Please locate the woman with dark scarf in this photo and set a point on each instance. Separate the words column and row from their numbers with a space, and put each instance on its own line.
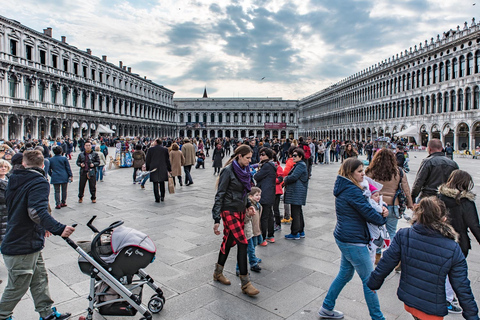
column 231, row 204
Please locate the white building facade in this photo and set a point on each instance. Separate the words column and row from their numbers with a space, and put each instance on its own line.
column 236, row 117
column 431, row 90
column 49, row 89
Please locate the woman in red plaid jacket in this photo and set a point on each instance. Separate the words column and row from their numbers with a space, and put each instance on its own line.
column 231, row 203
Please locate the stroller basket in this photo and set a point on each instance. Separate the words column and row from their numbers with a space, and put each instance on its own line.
column 114, row 260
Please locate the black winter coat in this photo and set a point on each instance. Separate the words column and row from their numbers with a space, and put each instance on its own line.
column 28, row 217
column 427, row 258
column 158, row 157
column 266, row 180
column 217, row 157
column 434, row 170
column 92, row 158
column 462, row 216
column 231, row 195
column 3, row 209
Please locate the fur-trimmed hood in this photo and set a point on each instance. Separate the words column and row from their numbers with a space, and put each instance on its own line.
column 452, row 193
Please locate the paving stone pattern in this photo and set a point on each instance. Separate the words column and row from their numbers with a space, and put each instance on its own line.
column 295, row 275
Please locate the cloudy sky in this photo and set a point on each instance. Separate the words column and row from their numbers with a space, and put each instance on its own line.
column 249, row 48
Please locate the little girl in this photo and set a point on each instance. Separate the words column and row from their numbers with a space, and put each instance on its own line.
column 428, row 252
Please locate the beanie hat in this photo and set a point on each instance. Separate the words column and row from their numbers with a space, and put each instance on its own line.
column 17, row 158
column 373, row 189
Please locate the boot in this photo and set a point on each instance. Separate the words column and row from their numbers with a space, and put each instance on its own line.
column 218, row 275
column 377, row 258
column 247, row 286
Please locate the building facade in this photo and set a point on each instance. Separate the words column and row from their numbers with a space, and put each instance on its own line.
column 237, row 117
column 429, row 91
column 49, row 89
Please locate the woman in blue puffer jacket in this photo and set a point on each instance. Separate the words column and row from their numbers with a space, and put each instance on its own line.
column 428, row 252
column 351, row 235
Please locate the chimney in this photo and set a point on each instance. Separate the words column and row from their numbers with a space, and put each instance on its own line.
column 125, row 68
column 145, row 77
column 120, row 64
column 104, row 58
column 89, row 51
column 129, row 69
column 64, row 39
column 48, row 32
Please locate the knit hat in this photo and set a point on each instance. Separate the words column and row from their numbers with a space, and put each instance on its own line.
column 373, row 189
column 17, row 158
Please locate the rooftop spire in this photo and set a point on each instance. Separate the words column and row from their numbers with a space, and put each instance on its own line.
column 205, row 95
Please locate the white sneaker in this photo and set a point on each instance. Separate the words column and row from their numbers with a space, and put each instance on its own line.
column 327, row 314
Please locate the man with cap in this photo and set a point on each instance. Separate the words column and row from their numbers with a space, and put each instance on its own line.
column 188, row 151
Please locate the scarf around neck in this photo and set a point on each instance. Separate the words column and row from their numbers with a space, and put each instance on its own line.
column 243, row 174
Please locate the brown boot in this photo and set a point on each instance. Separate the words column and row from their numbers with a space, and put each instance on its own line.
column 218, row 275
column 247, row 286
column 377, row 257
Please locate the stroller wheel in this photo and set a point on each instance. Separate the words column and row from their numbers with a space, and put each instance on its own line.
column 155, row 305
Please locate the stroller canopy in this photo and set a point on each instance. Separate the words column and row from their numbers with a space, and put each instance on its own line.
column 124, row 237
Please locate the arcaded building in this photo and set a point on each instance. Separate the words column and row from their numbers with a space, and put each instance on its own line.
column 429, row 91
column 236, row 117
column 49, row 88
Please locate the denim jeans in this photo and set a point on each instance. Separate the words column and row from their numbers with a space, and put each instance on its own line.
column 391, row 223
column 252, row 243
column 188, row 176
column 354, row 258
column 99, row 173
column 145, row 179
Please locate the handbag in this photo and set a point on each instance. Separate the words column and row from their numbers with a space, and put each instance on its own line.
column 402, row 198
column 171, row 186
column 91, row 174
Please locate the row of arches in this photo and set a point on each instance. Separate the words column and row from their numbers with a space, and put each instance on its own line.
column 221, row 133
column 235, row 117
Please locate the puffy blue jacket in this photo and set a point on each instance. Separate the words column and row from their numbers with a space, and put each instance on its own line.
column 296, row 184
column 28, row 217
column 266, row 178
column 59, row 169
column 353, row 213
column 427, row 258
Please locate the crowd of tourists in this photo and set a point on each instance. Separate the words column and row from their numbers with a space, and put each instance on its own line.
column 370, row 197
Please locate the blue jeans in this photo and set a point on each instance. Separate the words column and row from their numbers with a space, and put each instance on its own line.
column 354, row 258
column 145, row 179
column 252, row 243
column 99, row 173
column 391, row 223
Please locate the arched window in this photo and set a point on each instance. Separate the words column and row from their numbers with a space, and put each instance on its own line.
column 12, row 85
column 64, row 95
column 469, row 64
column 92, row 101
column 220, row 117
column 446, row 102
column 205, row 118
column 435, row 74
column 41, row 91
column 448, row 70
column 212, row 117
column 424, row 77
column 422, row 105
column 197, row 117
column 455, row 68
column 434, row 104
column 476, row 98
column 259, row 118
column 440, row 103
column 462, row 66
column 453, row 101
column 429, row 76
column 468, row 102
column 181, row 117
column 74, row 98
column 442, row 72
column 28, row 89
column 460, row 100
column 53, row 90
column 408, row 81
column 477, row 61
column 413, row 80
column 189, row 117
column 84, row 99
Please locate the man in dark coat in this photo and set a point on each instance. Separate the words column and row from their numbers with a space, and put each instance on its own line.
column 434, row 171
column 28, row 224
column 88, row 161
column 158, row 158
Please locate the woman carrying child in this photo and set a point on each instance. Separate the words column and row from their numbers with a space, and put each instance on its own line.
column 231, row 204
column 429, row 253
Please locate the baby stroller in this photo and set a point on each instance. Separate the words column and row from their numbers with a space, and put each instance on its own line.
column 114, row 262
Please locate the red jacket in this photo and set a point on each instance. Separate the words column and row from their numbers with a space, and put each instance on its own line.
column 279, row 184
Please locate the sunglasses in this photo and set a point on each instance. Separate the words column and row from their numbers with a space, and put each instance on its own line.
column 262, row 154
column 295, row 155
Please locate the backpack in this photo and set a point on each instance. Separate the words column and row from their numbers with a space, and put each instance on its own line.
column 105, row 152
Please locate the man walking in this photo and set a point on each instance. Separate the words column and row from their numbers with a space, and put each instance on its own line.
column 158, row 159
column 27, row 225
column 434, row 170
column 188, row 151
column 88, row 161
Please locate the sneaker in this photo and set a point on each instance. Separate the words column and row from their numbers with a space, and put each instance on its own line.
column 290, row 220
column 58, row 207
column 256, row 268
column 55, row 315
column 134, row 182
column 292, row 236
column 327, row 314
column 453, row 308
column 302, row 234
column 94, row 201
column 283, row 220
column 80, row 200
column 277, row 227
column 63, row 205
column 271, row 240
column 263, row 244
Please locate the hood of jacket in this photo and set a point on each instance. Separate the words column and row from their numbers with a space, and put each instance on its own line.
column 452, row 193
column 342, row 184
column 23, row 177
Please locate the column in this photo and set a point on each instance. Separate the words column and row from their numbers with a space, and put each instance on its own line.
column 5, row 127
column 471, row 142
column 455, row 141
column 35, row 129
column 22, row 126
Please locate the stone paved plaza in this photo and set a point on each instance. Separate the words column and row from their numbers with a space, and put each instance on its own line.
column 295, row 275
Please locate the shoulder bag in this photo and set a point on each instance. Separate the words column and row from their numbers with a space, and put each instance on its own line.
column 402, row 198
